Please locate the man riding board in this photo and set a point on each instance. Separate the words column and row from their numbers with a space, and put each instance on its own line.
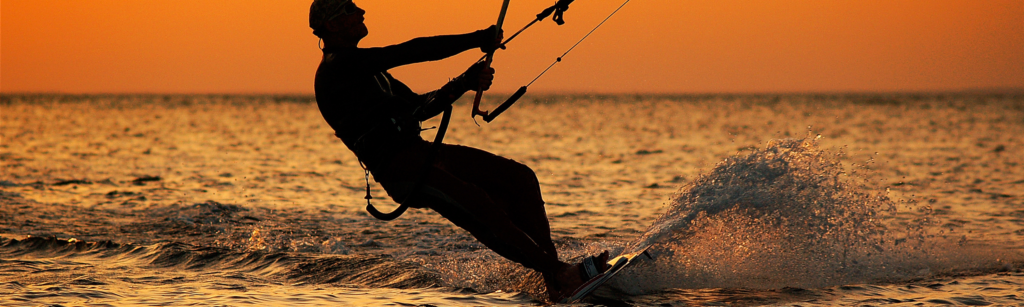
column 496, row 199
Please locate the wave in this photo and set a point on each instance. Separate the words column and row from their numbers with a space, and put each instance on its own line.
column 375, row 271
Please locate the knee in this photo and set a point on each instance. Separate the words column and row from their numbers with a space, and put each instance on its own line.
column 524, row 183
column 523, row 173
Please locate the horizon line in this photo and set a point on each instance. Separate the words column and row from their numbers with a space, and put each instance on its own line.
column 979, row 90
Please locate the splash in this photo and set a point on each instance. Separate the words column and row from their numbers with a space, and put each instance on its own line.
column 787, row 215
column 789, row 183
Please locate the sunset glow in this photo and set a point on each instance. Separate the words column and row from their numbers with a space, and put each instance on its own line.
column 661, row 46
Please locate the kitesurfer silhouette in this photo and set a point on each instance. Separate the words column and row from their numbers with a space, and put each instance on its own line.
column 496, row 199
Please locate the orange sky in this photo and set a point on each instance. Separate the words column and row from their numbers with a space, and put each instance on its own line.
column 662, row 46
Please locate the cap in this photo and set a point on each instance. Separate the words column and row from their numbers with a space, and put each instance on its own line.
column 322, row 11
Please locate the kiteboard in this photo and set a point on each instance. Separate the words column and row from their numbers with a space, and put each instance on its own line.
column 618, row 264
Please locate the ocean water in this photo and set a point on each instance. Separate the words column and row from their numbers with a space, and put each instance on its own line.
column 887, row 199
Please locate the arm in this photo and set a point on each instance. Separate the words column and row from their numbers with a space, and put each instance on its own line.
column 433, row 103
column 426, row 106
column 416, row 50
column 437, row 101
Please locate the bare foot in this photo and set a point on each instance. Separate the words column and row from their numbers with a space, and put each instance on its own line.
column 568, row 278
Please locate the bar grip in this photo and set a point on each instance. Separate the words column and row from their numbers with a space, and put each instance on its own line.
column 476, row 104
column 505, row 105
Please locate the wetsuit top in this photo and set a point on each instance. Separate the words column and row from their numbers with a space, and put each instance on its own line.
column 373, row 113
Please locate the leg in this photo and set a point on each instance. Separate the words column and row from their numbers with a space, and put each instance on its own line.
column 496, row 199
column 515, row 188
column 468, row 206
column 512, row 185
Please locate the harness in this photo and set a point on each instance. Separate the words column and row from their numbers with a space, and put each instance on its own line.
column 403, row 204
column 435, row 147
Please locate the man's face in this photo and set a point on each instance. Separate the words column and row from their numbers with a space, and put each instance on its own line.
column 351, row 25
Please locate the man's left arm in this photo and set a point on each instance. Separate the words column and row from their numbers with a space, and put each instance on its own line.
column 433, row 103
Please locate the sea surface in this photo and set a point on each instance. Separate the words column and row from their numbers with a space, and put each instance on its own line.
column 800, row 199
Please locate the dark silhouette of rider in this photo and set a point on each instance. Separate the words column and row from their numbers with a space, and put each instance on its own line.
column 496, row 199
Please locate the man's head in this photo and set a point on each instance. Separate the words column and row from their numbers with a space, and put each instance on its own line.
column 337, row 17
